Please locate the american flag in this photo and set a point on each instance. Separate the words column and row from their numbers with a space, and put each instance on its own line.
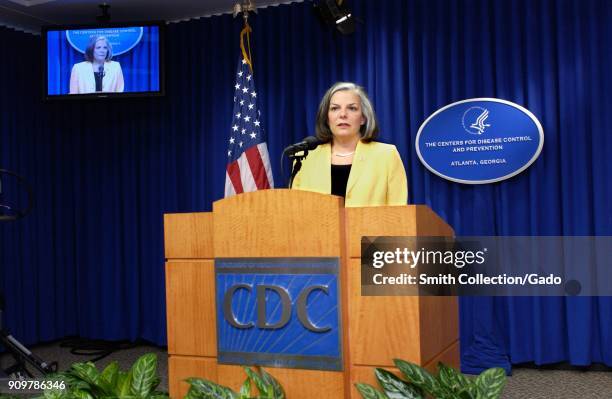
column 248, row 162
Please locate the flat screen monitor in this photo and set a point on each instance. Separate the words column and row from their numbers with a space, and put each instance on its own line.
column 119, row 60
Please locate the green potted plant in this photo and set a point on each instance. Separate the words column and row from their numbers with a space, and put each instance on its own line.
column 447, row 384
column 267, row 386
column 84, row 381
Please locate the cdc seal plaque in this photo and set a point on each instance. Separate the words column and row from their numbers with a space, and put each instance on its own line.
column 479, row 140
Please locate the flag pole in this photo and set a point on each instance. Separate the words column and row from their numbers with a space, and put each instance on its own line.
column 248, row 165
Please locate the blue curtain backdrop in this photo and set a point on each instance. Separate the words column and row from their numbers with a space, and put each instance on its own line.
column 140, row 65
column 89, row 259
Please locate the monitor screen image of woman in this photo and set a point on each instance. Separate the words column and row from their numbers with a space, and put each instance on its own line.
column 97, row 73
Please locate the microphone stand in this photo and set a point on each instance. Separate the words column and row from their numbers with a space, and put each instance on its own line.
column 296, row 161
column 301, row 148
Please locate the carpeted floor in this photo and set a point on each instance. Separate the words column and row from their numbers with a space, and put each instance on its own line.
column 525, row 383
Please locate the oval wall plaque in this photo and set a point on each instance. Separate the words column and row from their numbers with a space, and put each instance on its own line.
column 479, row 140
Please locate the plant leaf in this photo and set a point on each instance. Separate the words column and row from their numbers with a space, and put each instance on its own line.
column 88, row 373
column 265, row 389
column 491, row 383
column 418, row 376
column 156, row 381
column 193, row 394
column 46, row 395
column 277, row 390
column 367, row 391
column 395, row 388
column 245, row 389
column 205, row 389
column 124, row 385
column 74, row 382
column 469, row 392
column 144, row 373
column 109, row 374
column 450, row 378
column 78, row 394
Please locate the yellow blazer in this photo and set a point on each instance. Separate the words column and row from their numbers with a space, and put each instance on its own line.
column 377, row 176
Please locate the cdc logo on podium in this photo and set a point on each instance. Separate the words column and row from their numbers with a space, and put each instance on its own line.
column 282, row 312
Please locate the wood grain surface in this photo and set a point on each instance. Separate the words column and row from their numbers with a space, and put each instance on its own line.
column 277, row 223
column 190, row 307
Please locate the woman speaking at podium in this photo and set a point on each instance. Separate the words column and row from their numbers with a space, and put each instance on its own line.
column 350, row 163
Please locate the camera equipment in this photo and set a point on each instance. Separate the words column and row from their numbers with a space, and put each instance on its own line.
column 335, row 13
column 10, row 210
column 12, row 205
column 22, row 355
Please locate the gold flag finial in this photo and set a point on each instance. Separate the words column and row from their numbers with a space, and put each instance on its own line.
column 244, row 8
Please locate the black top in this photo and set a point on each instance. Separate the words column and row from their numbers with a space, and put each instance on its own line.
column 339, row 178
column 98, row 77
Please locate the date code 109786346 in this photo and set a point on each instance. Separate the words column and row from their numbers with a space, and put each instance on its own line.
column 15, row 386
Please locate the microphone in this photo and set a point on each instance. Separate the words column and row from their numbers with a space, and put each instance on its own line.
column 309, row 143
column 98, row 76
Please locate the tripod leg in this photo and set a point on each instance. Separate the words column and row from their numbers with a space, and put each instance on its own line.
column 23, row 355
column 18, row 370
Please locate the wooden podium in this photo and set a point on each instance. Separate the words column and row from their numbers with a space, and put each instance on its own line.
column 293, row 224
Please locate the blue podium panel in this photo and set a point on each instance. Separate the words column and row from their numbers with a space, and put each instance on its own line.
column 282, row 312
